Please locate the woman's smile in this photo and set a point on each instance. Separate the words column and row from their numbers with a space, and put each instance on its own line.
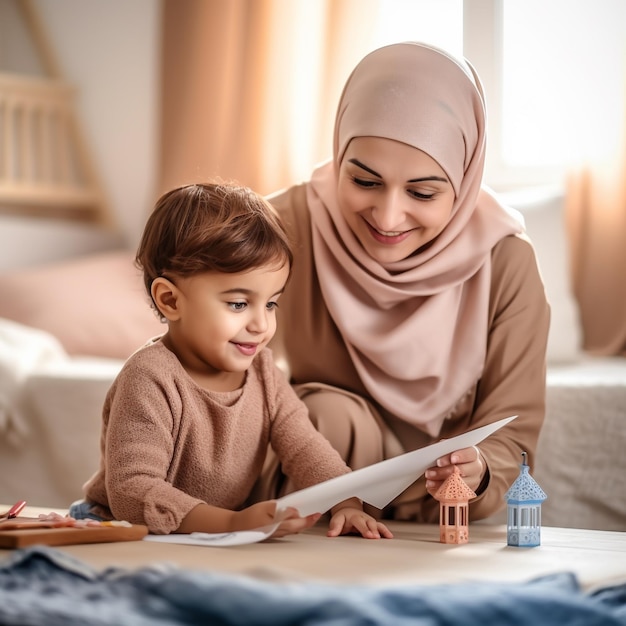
column 389, row 237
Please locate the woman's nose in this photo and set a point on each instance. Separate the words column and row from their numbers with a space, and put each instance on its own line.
column 389, row 212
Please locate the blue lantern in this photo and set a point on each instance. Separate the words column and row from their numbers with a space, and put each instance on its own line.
column 524, row 499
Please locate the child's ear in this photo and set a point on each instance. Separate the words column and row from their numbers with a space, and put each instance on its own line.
column 165, row 295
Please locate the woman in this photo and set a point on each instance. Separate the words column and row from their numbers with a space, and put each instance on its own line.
column 416, row 310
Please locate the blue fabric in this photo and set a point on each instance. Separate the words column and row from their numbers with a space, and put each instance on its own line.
column 81, row 509
column 40, row 585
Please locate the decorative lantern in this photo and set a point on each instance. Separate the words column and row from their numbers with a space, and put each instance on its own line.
column 524, row 499
column 454, row 496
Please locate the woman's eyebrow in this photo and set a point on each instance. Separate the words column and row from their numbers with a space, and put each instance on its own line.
column 413, row 180
column 425, row 178
column 364, row 167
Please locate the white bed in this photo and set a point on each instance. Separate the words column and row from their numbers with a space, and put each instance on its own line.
column 55, row 448
column 66, row 328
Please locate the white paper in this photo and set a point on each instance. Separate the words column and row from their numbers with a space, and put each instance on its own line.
column 217, row 540
column 380, row 483
column 376, row 484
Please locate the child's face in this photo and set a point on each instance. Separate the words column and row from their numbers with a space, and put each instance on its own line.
column 224, row 320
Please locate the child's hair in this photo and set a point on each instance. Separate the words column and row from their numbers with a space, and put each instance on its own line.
column 211, row 227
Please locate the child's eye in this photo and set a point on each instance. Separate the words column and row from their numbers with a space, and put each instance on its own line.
column 271, row 305
column 237, row 306
column 361, row 182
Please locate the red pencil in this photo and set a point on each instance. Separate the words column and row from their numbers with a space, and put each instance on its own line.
column 16, row 509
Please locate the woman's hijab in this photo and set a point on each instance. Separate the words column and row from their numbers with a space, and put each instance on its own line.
column 416, row 329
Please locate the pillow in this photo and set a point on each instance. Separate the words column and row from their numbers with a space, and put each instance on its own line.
column 543, row 212
column 94, row 305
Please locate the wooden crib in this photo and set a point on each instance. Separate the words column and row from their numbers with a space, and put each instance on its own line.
column 45, row 167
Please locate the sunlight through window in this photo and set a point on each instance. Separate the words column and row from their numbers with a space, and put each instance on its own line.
column 435, row 22
column 563, row 80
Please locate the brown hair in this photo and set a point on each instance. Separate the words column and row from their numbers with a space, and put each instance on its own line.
column 211, row 227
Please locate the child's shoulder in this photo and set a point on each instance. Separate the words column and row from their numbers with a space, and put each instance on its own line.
column 148, row 374
column 153, row 357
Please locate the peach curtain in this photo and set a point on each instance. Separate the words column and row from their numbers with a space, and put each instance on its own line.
column 249, row 87
column 596, row 220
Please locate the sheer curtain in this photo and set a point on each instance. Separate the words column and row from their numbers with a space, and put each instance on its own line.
column 249, row 87
column 596, row 199
column 564, row 110
column 596, row 214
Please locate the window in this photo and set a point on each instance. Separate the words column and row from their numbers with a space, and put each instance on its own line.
column 553, row 74
column 554, row 81
column 435, row 22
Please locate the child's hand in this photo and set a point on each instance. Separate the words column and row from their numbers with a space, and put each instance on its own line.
column 471, row 466
column 349, row 517
column 263, row 514
column 292, row 523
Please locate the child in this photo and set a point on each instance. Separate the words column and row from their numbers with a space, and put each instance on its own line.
column 188, row 421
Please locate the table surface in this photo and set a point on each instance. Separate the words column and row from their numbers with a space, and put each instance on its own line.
column 415, row 556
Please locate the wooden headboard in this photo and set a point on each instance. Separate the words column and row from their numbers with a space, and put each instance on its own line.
column 45, row 167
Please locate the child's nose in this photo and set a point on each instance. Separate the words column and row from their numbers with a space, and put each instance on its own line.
column 259, row 322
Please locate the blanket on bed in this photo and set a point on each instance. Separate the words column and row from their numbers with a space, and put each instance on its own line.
column 22, row 351
column 40, row 585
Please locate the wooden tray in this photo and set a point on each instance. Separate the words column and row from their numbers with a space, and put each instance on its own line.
column 65, row 536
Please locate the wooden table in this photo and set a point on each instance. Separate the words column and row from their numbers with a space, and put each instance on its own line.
column 415, row 555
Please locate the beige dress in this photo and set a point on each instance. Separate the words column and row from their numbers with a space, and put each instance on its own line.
column 512, row 383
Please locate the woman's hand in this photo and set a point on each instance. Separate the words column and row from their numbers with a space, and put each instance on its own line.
column 349, row 517
column 471, row 466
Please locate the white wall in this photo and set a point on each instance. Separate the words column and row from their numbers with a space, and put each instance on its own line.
column 32, row 241
column 109, row 50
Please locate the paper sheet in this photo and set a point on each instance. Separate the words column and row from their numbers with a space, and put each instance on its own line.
column 380, row 483
column 217, row 540
column 376, row 484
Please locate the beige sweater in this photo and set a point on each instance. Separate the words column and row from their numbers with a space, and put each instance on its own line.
column 512, row 383
column 167, row 444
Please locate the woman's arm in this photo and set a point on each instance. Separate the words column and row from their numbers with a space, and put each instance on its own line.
column 514, row 379
column 512, row 383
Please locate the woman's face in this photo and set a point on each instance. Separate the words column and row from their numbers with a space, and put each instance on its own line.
column 395, row 198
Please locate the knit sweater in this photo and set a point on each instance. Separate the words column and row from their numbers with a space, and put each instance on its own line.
column 167, row 444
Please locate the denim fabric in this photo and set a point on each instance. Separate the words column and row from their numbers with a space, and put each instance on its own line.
column 40, row 585
column 81, row 509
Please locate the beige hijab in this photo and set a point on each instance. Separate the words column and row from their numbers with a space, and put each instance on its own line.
column 416, row 329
